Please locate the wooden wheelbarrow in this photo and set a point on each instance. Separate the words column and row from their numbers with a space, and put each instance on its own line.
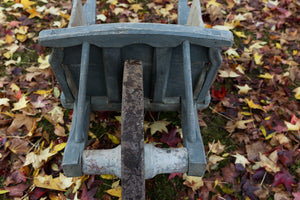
column 167, row 68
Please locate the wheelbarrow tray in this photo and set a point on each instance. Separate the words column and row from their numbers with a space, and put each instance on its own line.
column 158, row 46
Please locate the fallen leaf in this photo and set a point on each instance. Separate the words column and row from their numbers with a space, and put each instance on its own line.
column 216, row 148
column 18, row 146
column 60, row 183
column 113, row 138
column 116, row 192
column 297, row 93
column 59, row 130
column 136, row 7
column 214, row 159
column 27, row 4
column 243, row 89
column 284, row 178
column 170, row 138
column 159, row 126
column 257, row 59
column 266, row 76
column 253, row 105
column 4, row 101
column 293, row 127
column 34, row 13
column 241, row 159
column 22, row 103
column 193, row 182
column 228, row 74
column 268, row 163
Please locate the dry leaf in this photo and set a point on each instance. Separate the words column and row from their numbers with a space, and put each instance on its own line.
column 193, row 182
column 216, row 148
column 241, row 159
column 22, row 103
column 267, row 163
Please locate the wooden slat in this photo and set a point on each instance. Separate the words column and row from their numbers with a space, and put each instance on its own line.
column 70, row 80
column 112, row 63
column 82, row 92
column 133, row 175
column 77, row 15
column 195, row 17
column 216, row 61
column 122, row 34
column 162, row 66
column 55, row 60
column 183, row 10
column 89, row 9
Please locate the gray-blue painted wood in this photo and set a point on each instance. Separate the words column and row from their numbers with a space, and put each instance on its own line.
column 183, row 12
column 123, row 34
column 179, row 66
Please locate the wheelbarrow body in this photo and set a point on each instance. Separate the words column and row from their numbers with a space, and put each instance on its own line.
column 179, row 64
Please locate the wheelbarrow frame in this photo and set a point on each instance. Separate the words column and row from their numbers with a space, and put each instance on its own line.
column 192, row 51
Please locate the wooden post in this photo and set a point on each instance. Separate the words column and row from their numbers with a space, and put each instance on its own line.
column 132, row 150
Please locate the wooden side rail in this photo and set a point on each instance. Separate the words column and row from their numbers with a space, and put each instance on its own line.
column 122, row 34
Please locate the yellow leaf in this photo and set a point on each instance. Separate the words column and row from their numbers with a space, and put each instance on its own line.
column 136, row 7
column 241, row 159
column 60, row 183
column 113, row 138
column 278, row 46
column 212, row 3
column 66, row 16
column 266, row 76
column 34, row 13
column 3, row 191
column 253, row 105
column 159, row 126
column 297, row 91
column 44, row 62
column 115, row 184
column 119, row 119
column 293, row 127
column 43, row 92
column 7, row 55
column 246, row 113
column 108, row 176
column 58, row 147
column 9, row 39
column 21, row 38
column 243, row 89
column 116, row 192
column 295, row 52
column 228, row 74
column 257, row 59
column 193, row 182
column 240, row 34
column 27, row 3
column 22, row 103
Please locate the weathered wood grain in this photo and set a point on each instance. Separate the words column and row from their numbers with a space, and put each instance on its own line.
column 132, row 150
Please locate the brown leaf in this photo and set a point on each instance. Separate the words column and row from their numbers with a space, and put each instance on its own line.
column 18, row 146
column 254, row 148
column 22, row 120
column 17, row 190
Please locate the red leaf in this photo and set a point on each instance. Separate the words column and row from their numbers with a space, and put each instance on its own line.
column 286, row 157
column 37, row 193
column 17, row 190
column 88, row 195
column 284, row 178
column 219, row 94
column 173, row 175
column 170, row 138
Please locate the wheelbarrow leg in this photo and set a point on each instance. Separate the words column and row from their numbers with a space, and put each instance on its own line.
column 192, row 139
column 132, row 150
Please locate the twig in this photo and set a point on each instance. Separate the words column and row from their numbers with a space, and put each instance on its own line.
column 221, row 114
column 262, row 181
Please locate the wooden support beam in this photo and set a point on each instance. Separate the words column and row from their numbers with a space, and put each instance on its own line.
column 112, row 70
column 162, row 65
column 133, row 169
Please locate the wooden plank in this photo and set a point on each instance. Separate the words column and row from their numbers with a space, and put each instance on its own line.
column 70, row 80
column 89, row 9
column 79, row 137
column 162, row 66
column 122, row 34
column 133, row 174
column 192, row 139
column 183, row 10
column 55, row 60
column 216, row 61
column 112, row 70
column 195, row 16
column 77, row 15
